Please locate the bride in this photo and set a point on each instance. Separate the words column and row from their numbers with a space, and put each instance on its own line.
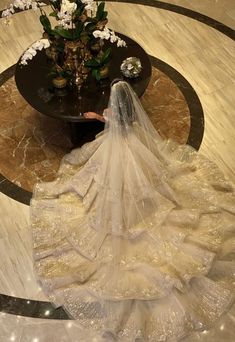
column 135, row 237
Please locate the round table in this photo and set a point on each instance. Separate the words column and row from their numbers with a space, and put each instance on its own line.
column 36, row 87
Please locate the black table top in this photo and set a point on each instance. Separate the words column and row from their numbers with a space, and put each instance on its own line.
column 35, row 86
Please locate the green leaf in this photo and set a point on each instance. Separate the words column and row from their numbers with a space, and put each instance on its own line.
column 78, row 30
column 92, row 63
column 66, row 74
column 92, row 20
column 55, row 3
column 104, row 16
column 98, row 76
column 60, row 48
column 90, row 27
column 106, row 56
column 96, row 73
column 53, row 14
column 63, row 33
column 45, row 23
column 53, row 74
column 100, row 10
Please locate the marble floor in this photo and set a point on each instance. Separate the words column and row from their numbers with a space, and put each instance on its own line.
column 200, row 52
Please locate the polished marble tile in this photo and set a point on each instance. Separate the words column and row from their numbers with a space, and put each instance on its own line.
column 4, row 4
column 221, row 10
column 16, row 266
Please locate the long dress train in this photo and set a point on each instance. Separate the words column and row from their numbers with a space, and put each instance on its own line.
column 136, row 236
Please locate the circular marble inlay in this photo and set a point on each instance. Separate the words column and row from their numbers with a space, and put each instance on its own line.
column 33, row 144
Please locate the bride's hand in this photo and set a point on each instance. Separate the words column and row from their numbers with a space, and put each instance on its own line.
column 90, row 115
column 93, row 115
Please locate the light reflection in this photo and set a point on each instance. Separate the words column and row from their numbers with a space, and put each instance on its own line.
column 205, row 332
column 13, row 337
column 222, row 327
column 69, row 324
column 36, row 339
column 47, row 313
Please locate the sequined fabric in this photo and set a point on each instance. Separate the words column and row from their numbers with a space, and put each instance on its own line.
column 135, row 237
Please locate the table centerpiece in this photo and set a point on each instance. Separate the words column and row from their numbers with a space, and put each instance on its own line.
column 74, row 33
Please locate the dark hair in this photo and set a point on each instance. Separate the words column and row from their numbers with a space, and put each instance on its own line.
column 115, row 80
column 128, row 104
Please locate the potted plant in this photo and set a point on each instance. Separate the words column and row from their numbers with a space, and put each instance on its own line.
column 75, row 42
column 99, row 64
column 59, row 76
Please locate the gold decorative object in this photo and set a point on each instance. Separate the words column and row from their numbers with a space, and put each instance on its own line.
column 104, row 72
column 131, row 67
column 59, row 82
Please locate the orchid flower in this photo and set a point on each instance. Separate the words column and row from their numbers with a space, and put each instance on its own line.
column 109, row 35
column 32, row 50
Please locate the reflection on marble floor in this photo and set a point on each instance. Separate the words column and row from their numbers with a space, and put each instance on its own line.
column 33, row 144
column 21, row 329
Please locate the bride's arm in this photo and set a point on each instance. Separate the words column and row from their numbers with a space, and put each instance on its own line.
column 93, row 115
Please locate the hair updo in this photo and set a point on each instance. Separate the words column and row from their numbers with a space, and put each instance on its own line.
column 124, row 101
column 116, row 80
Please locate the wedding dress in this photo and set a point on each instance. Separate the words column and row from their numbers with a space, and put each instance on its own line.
column 135, row 237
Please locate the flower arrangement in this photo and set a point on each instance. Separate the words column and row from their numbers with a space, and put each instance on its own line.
column 75, row 44
column 131, row 67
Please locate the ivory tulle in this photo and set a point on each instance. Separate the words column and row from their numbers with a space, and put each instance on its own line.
column 170, row 271
column 136, row 236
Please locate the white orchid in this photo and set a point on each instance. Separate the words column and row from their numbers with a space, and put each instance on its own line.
column 32, row 50
column 66, row 13
column 105, row 34
column 8, row 12
column 34, row 6
column 65, row 20
column 22, row 5
column 109, row 35
column 90, row 4
column 121, row 43
column 113, row 37
column 68, row 7
column 38, row 45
